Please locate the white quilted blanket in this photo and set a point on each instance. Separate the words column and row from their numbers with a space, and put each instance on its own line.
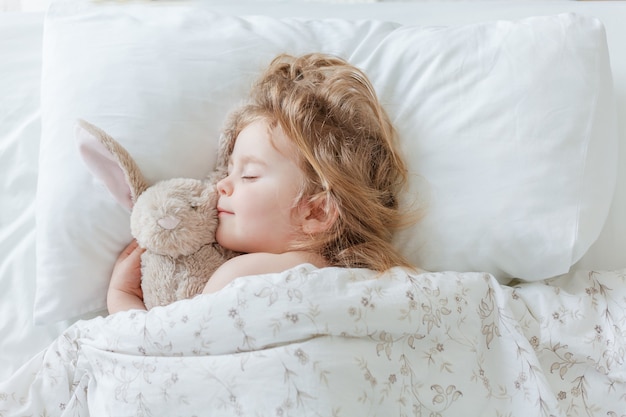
column 344, row 342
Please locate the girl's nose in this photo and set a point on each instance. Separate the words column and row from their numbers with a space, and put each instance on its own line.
column 224, row 187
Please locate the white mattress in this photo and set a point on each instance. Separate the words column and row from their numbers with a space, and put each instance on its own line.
column 20, row 49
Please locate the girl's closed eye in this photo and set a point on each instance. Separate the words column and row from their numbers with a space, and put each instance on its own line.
column 250, row 173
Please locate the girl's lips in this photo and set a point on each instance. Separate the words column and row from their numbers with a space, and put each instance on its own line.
column 221, row 211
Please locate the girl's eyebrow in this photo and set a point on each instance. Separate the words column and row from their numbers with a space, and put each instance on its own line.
column 248, row 159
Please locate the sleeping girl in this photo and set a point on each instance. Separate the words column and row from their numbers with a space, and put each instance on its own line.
column 313, row 174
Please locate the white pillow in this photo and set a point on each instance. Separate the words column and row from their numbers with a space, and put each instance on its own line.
column 506, row 127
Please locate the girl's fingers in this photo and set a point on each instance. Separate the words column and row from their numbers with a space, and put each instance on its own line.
column 137, row 251
column 128, row 250
column 131, row 246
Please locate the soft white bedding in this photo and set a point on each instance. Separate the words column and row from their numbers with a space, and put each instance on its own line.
column 341, row 342
column 20, row 126
column 536, row 349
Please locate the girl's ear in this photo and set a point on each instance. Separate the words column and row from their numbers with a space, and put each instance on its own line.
column 318, row 215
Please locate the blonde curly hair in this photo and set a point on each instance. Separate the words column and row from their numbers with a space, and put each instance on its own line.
column 347, row 149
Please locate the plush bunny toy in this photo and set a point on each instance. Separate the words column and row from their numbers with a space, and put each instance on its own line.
column 174, row 220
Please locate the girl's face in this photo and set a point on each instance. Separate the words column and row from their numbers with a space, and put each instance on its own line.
column 257, row 198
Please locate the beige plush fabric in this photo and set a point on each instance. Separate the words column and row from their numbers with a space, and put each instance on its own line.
column 174, row 220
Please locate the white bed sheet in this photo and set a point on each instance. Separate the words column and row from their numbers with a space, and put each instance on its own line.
column 20, row 125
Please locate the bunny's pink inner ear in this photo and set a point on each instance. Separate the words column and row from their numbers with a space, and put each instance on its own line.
column 104, row 166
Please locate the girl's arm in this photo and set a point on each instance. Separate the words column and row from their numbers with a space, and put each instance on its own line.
column 125, row 287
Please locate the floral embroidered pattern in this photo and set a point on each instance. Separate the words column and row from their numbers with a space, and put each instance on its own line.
column 346, row 342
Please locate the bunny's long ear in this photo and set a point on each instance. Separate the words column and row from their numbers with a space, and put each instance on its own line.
column 108, row 161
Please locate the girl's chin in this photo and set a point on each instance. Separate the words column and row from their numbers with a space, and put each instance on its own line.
column 230, row 245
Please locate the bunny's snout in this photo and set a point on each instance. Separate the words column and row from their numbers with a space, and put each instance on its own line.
column 168, row 222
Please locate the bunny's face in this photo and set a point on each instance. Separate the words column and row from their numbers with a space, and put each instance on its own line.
column 175, row 217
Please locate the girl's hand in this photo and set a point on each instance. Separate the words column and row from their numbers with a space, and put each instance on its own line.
column 125, row 286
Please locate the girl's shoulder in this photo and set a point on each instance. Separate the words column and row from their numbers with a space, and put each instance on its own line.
column 259, row 263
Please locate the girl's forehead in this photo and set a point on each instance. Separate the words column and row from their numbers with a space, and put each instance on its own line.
column 262, row 137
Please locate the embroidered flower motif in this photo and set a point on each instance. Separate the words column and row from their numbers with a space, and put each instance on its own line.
column 240, row 324
column 292, row 317
column 303, row 358
column 534, row 342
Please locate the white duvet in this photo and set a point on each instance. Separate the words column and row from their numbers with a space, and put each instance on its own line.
column 344, row 342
